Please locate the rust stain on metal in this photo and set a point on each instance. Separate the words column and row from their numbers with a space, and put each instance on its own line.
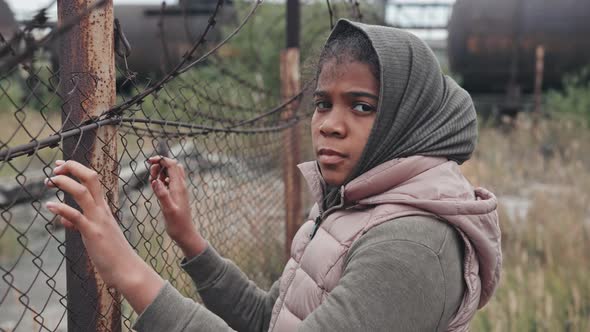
column 290, row 85
column 88, row 77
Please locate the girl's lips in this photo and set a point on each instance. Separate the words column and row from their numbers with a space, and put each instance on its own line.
column 330, row 157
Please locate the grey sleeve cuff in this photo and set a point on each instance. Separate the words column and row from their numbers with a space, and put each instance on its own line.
column 206, row 268
column 227, row 291
column 160, row 315
column 170, row 311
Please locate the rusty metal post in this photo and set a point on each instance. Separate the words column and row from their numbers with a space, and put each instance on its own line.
column 539, row 69
column 290, row 85
column 87, row 74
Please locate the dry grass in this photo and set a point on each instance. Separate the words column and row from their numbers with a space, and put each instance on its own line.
column 546, row 247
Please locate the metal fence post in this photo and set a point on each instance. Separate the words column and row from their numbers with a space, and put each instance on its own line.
column 539, row 69
column 290, row 85
column 87, row 75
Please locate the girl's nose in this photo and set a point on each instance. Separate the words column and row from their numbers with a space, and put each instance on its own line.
column 333, row 125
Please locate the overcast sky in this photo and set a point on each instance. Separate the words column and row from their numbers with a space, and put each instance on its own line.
column 25, row 9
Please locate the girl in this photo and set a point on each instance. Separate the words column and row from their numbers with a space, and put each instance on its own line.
column 398, row 240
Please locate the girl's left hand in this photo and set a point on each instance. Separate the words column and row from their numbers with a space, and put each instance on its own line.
column 114, row 259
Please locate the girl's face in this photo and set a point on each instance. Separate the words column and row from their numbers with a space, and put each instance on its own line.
column 345, row 108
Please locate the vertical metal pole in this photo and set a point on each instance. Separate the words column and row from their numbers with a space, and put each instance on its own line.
column 290, row 85
column 381, row 9
column 87, row 74
column 539, row 69
column 293, row 25
column 514, row 85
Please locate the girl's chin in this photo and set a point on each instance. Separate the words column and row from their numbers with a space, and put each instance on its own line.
column 333, row 177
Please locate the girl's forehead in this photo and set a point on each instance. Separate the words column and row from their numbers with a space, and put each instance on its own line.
column 334, row 67
column 346, row 74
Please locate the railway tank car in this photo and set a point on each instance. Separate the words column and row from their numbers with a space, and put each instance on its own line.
column 8, row 25
column 491, row 44
column 7, row 21
column 180, row 25
column 158, row 36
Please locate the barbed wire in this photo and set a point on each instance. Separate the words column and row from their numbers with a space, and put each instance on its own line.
column 50, row 37
column 220, row 116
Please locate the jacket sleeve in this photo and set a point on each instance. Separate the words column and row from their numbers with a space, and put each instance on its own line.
column 232, row 301
column 170, row 311
column 389, row 283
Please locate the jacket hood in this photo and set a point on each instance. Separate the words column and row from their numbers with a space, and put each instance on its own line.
column 420, row 111
column 437, row 186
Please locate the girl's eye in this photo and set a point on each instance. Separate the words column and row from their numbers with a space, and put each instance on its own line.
column 363, row 108
column 322, row 105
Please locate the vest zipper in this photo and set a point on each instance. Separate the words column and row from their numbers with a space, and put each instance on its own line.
column 323, row 214
column 316, row 225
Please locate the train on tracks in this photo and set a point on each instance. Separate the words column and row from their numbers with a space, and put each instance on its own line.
column 496, row 47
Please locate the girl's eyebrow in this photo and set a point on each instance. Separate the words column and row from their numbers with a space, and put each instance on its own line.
column 321, row 93
column 361, row 94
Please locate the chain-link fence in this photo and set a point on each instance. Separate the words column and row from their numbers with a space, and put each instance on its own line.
column 212, row 101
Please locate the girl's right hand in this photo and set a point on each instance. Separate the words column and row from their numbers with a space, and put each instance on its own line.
column 167, row 179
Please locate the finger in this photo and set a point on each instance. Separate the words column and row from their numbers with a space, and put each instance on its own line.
column 163, row 161
column 67, row 224
column 175, row 172
column 86, row 176
column 178, row 185
column 163, row 175
column 162, row 193
column 155, row 159
column 154, row 170
column 176, row 178
column 73, row 217
column 79, row 192
column 158, row 172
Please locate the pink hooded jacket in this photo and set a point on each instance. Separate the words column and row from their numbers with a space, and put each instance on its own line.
column 408, row 186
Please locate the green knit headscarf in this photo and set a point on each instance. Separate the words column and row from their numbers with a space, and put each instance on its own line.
column 421, row 111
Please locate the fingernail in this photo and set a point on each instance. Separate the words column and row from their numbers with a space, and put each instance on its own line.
column 51, row 206
column 59, row 162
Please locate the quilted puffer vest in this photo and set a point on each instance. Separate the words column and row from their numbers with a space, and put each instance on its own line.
column 402, row 187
